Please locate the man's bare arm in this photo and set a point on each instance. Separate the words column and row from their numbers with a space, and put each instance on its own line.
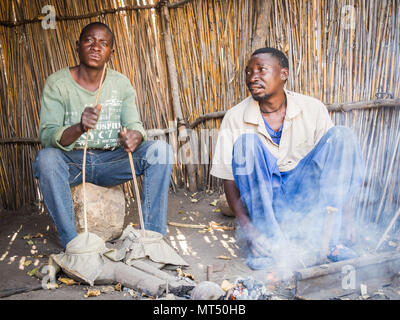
column 71, row 134
column 130, row 139
column 260, row 243
column 236, row 205
column 88, row 121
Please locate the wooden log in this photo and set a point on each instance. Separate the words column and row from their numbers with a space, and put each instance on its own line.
column 119, row 272
column 185, row 225
column 95, row 14
column 174, row 284
column 378, row 103
column 154, row 271
column 205, row 117
column 344, row 277
column 19, row 141
column 173, row 80
column 209, row 271
column 335, row 107
column 262, row 25
column 178, row 3
column 172, row 73
column 325, row 269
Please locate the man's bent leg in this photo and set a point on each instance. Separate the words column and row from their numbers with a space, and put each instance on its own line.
column 154, row 160
column 340, row 160
column 256, row 174
column 157, row 176
column 328, row 176
column 54, row 174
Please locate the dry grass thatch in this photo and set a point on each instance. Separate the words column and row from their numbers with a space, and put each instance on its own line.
column 339, row 51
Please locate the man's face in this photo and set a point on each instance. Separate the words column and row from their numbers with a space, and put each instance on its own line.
column 265, row 76
column 95, row 47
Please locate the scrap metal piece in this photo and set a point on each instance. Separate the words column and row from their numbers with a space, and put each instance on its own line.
column 210, row 268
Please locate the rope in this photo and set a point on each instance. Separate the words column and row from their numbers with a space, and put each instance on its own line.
column 85, row 151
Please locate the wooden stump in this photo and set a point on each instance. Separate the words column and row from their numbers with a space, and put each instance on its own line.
column 105, row 209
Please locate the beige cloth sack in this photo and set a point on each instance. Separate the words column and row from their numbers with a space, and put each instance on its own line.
column 83, row 258
column 85, row 255
column 132, row 245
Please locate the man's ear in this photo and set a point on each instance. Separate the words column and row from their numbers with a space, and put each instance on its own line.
column 111, row 54
column 77, row 45
column 284, row 74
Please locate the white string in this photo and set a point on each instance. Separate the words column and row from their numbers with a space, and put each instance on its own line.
column 84, row 155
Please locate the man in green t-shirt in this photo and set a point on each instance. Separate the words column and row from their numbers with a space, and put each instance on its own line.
column 67, row 115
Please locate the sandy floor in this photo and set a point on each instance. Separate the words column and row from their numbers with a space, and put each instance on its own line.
column 199, row 247
column 20, row 253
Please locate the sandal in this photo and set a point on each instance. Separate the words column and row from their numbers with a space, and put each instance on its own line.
column 260, row 262
column 340, row 252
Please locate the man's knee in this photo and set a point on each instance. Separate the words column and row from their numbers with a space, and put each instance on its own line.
column 46, row 159
column 342, row 134
column 346, row 149
column 160, row 152
column 244, row 155
column 246, row 143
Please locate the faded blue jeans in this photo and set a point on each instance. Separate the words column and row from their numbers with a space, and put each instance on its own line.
column 327, row 176
column 58, row 170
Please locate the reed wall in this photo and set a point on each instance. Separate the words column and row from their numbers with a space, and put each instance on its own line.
column 339, row 51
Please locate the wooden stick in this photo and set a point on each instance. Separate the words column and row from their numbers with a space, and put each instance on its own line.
column 172, row 72
column 173, row 80
column 103, row 12
column 201, row 226
column 391, row 224
column 262, row 25
column 20, row 140
column 335, row 107
column 184, row 225
column 85, row 151
column 328, row 229
column 209, row 272
column 337, row 267
column 139, row 203
column 344, row 107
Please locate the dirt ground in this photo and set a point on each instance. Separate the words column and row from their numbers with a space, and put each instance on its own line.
column 28, row 237
column 20, row 254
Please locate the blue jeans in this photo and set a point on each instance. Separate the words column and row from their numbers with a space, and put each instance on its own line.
column 327, row 176
column 58, row 170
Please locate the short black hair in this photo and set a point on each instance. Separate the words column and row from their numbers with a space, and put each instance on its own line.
column 283, row 60
column 98, row 24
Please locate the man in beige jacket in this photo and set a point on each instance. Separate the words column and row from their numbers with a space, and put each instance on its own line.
column 283, row 161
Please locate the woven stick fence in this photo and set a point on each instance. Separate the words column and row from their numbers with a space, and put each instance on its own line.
column 342, row 52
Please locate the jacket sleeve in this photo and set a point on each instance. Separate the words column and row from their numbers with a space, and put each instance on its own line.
column 324, row 123
column 222, row 158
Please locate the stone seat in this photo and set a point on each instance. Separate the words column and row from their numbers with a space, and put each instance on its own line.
column 105, row 209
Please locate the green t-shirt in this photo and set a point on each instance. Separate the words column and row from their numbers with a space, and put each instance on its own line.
column 64, row 100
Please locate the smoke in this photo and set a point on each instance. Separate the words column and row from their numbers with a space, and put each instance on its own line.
column 302, row 244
